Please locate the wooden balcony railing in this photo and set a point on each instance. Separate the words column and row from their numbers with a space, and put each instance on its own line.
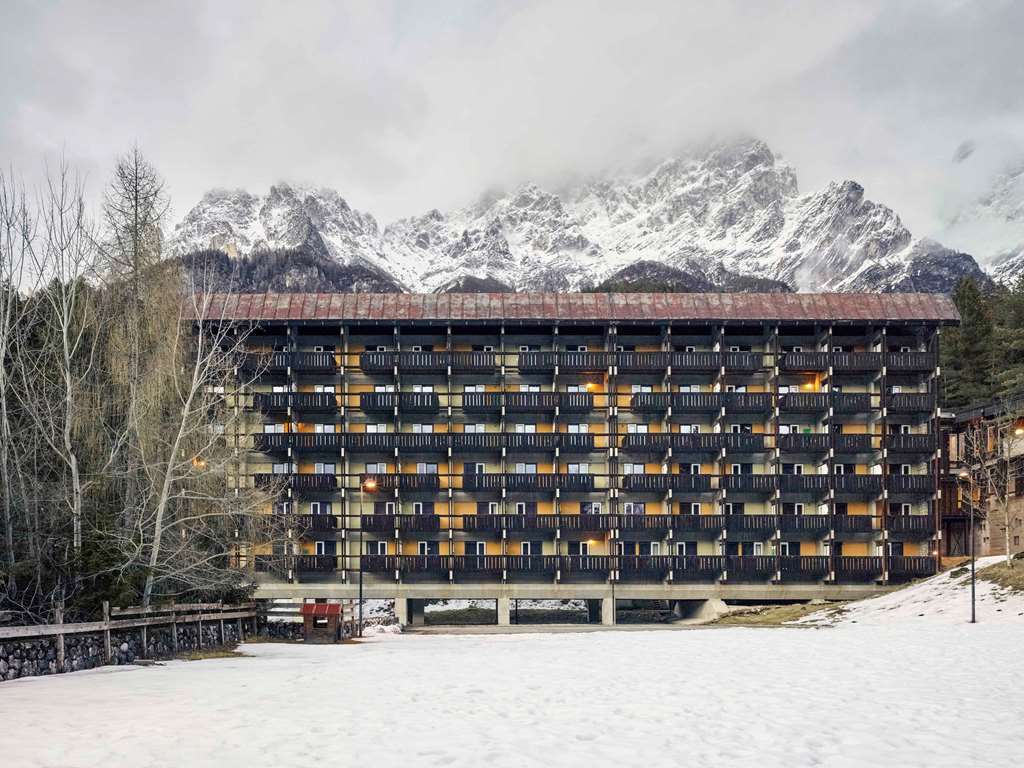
column 698, row 566
column 531, row 402
column 655, row 565
column 696, row 402
column 747, row 402
column 804, row 567
column 750, row 524
column 856, row 362
column 805, row 443
column 695, row 361
column 315, row 362
column 314, row 442
column 743, row 361
column 911, row 485
column 858, row 485
column 910, row 362
column 272, row 443
column 860, row 567
column 650, row 402
column 711, row 525
column 664, row 482
column 317, row 523
column 910, row 403
column 749, row 483
column 916, row 526
column 575, row 402
column 847, row 524
column 474, row 362
column 315, row 563
column 481, row 402
column 541, row 442
column 749, row 566
column 804, row 402
column 477, row 442
column 853, row 443
column 921, row 444
column 804, row 361
column 851, row 402
column 426, row 483
column 297, row 482
column 642, row 362
column 815, row 525
column 916, row 567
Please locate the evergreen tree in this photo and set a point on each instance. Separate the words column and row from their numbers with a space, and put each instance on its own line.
column 967, row 351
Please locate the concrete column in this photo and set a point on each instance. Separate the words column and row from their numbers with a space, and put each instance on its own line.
column 504, row 617
column 608, row 611
column 402, row 611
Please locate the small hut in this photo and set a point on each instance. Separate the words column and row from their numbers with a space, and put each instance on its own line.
column 321, row 622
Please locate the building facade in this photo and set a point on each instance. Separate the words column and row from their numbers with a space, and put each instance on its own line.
column 596, row 446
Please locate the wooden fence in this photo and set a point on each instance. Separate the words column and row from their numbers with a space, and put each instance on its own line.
column 155, row 616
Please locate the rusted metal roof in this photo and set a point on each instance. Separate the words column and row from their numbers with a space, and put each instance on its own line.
column 576, row 307
column 320, row 609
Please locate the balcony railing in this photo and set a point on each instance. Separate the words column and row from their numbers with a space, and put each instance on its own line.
column 851, row 402
column 856, row 362
column 910, row 362
column 541, row 442
column 854, row 524
column 695, row 361
column 650, row 402
column 804, row 567
column 655, row 565
column 642, row 362
column 853, row 443
column 917, row 526
column 660, row 483
column 318, row 523
column 570, row 564
column 477, row 563
column 390, row 481
column 477, row 442
column 317, row 442
column 474, row 362
column 316, row 563
column 749, row 566
column 698, row 566
column 858, row 485
column 858, row 567
column 265, row 362
column 804, row 361
column 749, row 483
column 496, row 481
column 531, row 402
column 575, row 402
column 315, row 362
column 696, row 402
column 804, row 402
column 911, row 484
column 272, row 443
column 371, row 442
column 413, row 442
column 297, row 482
column 805, row 443
column 807, row 484
column 910, row 403
column 577, row 362
column 649, row 443
column 747, row 402
column 815, row 525
column 916, row 567
column 698, row 524
column 750, row 524
column 575, row 443
column 412, row 402
column 743, row 361
column 910, row 443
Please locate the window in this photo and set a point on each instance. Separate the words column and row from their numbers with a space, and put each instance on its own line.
column 906, row 349
column 529, row 387
column 376, row 429
column 524, row 468
column 686, row 548
column 474, row 468
column 689, row 429
column 526, row 429
column 492, row 507
column 423, row 468
column 638, row 388
column 895, row 389
column 784, row 548
column 422, row 429
column 422, row 387
column 376, row 547
column 689, row 348
column 376, row 468
column 323, row 468
column 578, row 429
column 636, row 429
column 741, row 429
column 474, row 428
column 476, row 548
column 473, row 388
column 281, row 468
column 314, row 507
column 735, row 469
column 734, row 508
column 625, row 347
column 423, row 507
column 324, row 388
column 630, row 468
column 689, row 388
column 634, row 507
column 324, row 429
column 579, row 548
column 590, row 507
column 273, row 429
column 319, row 547
column 904, row 429
column 735, row 387
column 483, row 347
column 789, row 508
column 520, row 507
column 529, row 347
column 792, row 469
column 694, row 507
column 576, row 348
column 529, row 547
column 758, row 547
column 695, row 469
column 428, row 548
column 576, row 388
column 377, row 348
column 582, row 468
column 383, row 387
column 283, row 507
column 279, row 388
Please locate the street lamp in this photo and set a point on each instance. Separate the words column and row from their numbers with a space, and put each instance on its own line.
column 367, row 485
column 965, row 476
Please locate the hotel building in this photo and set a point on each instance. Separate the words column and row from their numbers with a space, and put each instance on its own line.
column 605, row 447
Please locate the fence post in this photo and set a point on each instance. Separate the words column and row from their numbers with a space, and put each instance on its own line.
column 174, row 627
column 60, row 640
column 239, row 620
column 144, row 638
column 106, row 631
column 223, row 640
column 199, row 634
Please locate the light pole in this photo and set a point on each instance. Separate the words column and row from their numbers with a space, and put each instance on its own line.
column 965, row 476
column 366, row 484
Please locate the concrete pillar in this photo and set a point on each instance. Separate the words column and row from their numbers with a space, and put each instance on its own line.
column 593, row 611
column 402, row 611
column 504, row 617
column 608, row 611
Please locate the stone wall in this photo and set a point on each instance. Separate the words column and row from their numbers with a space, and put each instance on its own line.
column 38, row 656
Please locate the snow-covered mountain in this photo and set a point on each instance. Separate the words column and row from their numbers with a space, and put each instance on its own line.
column 995, row 221
column 713, row 217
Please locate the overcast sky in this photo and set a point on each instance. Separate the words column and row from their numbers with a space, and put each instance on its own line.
column 404, row 106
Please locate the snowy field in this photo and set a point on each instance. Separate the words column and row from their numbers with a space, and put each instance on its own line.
column 908, row 694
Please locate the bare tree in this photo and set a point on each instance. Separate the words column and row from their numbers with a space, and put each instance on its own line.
column 993, row 448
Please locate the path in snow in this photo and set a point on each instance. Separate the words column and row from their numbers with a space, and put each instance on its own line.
column 908, row 694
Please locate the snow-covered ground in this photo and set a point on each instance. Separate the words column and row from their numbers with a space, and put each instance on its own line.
column 910, row 694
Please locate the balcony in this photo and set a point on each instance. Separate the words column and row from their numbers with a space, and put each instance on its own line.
column 422, row 563
column 316, row 563
column 815, row 485
column 747, row 402
column 575, row 402
column 710, row 526
column 903, row 567
column 265, row 362
column 696, row 402
column 665, row 482
column 910, row 403
column 649, row 443
column 910, row 362
column 693, row 362
column 532, row 402
column 269, row 402
column 854, row 524
column 698, row 566
column 749, row 567
column 409, row 402
column 749, row 483
column 642, row 362
column 804, row 567
column 297, row 482
column 378, row 563
column 856, row 362
column 804, row 402
column 539, row 564
column 277, row 443
column 575, row 443
column 567, row 362
column 540, row 523
column 858, row 485
column 539, row 442
column 378, row 401
column 804, row 361
column 406, row 362
column 911, row 485
column 570, row 564
column 650, row 402
column 743, row 361
column 371, row 442
column 810, row 525
column 851, row 402
column 853, row 443
column 477, row 442
column 483, row 523
column 645, row 565
column 272, row 402
column 474, row 362
column 378, row 523
column 390, row 481
column 914, row 444
column 317, row 442
column 641, row 522
column 910, row 526
column 760, row 526
column 496, row 481
column 378, row 362
column 315, row 362
column 316, row 523
column 481, row 402
column 805, row 443
column 858, row 568
column 412, row 442
column 490, row 564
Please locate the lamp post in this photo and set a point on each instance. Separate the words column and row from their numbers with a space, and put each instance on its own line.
column 367, row 484
column 966, row 477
